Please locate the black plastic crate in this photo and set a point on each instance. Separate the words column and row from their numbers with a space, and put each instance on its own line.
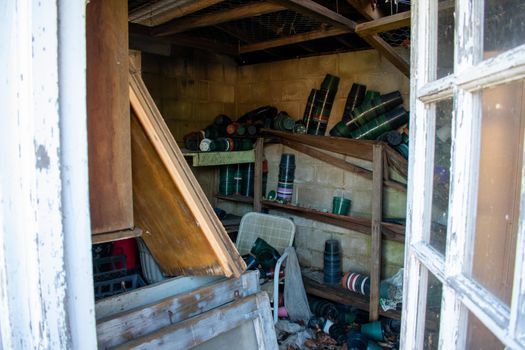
column 117, row 285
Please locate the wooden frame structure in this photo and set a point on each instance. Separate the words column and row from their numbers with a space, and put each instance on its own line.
column 164, row 21
column 180, row 228
column 461, row 293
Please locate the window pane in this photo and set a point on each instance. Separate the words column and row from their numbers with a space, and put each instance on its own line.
column 499, row 188
column 433, row 312
column 441, row 179
column 504, row 26
column 445, row 42
column 479, row 337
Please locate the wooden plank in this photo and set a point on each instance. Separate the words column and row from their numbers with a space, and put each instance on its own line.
column 384, row 24
column 151, row 294
column 109, row 152
column 390, row 54
column 361, row 149
column 337, row 162
column 156, row 13
column 197, row 330
column 258, row 174
column 293, row 39
column 116, row 236
column 240, row 12
column 180, row 227
column 203, row 44
column 312, row 9
column 367, row 8
column 235, row 198
column 391, row 232
column 220, row 158
column 139, row 322
column 377, row 213
column 396, row 161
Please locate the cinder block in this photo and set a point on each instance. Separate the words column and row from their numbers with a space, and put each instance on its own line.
column 358, row 62
column 294, row 108
column 310, row 258
column 230, row 74
column 352, row 180
column 355, row 243
column 215, row 72
column 229, row 110
column 202, row 90
column 284, row 70
column 178, row 67
column 207, row 111
column 243, row 108
column 361, row 203
column 329, row 175
column 297, row 90
column 243, row 93
column 177, row 110
column 220, row 92
column 365, row 164
column 304, row 174
column 253, row 73
column 393, row 252
column 265, row 93
column 318, row 66
column 394, row 203
column 313, row 196
column 272, row 153
column 357, row 263
column 389, row 270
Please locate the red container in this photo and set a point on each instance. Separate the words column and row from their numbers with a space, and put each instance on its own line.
column 127, row 247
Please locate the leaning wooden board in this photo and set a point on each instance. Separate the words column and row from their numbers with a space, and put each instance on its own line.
column 180, row 227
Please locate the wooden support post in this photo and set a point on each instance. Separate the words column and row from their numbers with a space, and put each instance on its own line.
column 257, row 178
column 377, row 211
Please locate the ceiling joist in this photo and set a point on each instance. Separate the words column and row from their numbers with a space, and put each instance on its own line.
column 367, row 8
column 384, row 24
column 388, row 51
column 293, row 39
column 312, row 9
column 244, row 11
column 154, row 14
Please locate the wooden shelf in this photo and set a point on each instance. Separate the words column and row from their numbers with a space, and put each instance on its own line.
column 314, row 285
column 393, row 232
column 115, row 236
column 235, row 198
column 219, row 158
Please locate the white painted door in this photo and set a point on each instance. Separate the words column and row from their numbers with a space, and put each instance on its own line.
column 465, row 243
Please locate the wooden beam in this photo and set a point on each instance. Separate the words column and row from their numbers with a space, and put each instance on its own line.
column 258, row 175
column 138, row 322
column 384, row 24
column 240, row 12
column 116, row 236
column 312, row 9
column 156, row 13
column 377, row 213
column 293, row 39
column 390, row 54
column 366, row 8
column 203, row 44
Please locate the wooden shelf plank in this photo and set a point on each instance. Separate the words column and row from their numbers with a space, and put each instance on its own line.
column 235, row 198
column 313, row 283
column 392, row 232
column 115, row 236
column 220, row 158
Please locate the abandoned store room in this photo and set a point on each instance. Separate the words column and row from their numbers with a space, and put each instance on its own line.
column 288, row 174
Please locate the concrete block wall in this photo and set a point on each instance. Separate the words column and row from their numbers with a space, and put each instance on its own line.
column 316, row 182
column 287, row 84
column 190, row 89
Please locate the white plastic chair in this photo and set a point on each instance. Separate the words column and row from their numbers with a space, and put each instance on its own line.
column 277, row 231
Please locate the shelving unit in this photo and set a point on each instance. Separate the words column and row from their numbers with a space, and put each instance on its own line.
column 383, row 158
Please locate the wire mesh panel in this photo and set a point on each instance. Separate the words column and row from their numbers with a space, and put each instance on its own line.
column 277, row 231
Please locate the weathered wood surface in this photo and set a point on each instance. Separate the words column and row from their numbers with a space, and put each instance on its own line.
column 180, row 227
column 375, row 250
column 151, row 294
column 293, row 39
column 162, row 11
column 392, row 232
column 109, row 151
column 116, row 236
column 258, row 175
column 233, row 14
column 139, row 322
column 384, row 24
column 199, row 329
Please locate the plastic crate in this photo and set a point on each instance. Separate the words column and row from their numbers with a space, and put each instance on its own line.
column 110, row 267
column 117, row 285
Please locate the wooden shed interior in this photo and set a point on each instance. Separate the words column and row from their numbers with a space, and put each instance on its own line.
column 159, row 70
